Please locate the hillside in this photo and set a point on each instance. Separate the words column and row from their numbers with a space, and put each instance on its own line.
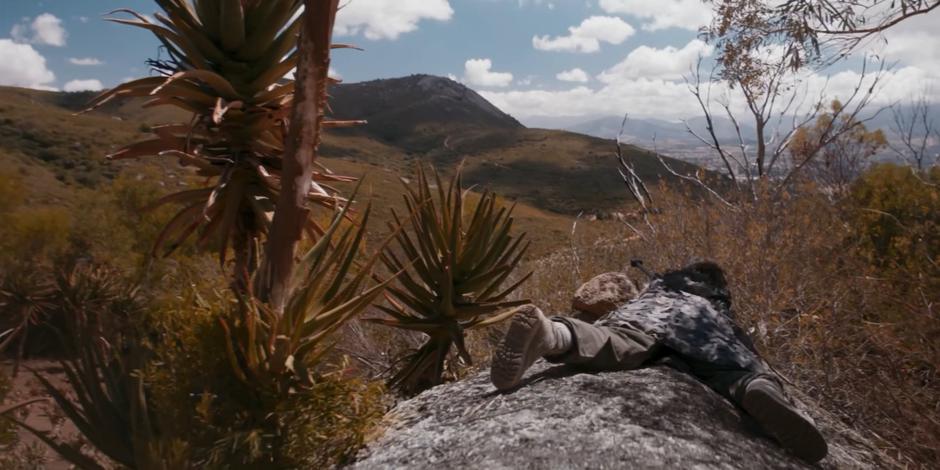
column 412, row 112
column 440, row 120
column 554, row 174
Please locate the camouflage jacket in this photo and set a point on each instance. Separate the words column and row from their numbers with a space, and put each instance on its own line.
column 689, row 324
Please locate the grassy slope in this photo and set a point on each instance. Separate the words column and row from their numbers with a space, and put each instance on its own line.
column 58, row 153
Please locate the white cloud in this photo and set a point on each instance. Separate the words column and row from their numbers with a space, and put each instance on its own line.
column 46, row 29
column 477, row 72
column 85, row 61
column 896, row 85
column 663, row 14
column 83, row 85
column 670, row 99
column 915, row 42
column 587, row 36
column 641, row 98
column 23, row 66
column 573, row 75
column 668, row 63
column 388, row 19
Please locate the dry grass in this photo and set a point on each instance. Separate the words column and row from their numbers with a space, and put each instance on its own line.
column 861, row 339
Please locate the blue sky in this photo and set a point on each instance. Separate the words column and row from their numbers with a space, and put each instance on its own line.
column 533, row 58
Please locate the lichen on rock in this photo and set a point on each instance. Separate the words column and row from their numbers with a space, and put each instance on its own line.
column 560, row 418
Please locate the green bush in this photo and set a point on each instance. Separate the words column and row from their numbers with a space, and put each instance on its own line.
column 226, row 421
column 329, row 423
column 897, row 216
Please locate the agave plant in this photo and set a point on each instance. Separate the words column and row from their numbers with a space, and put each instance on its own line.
column 274, row 349
column 106, row 398
column 26, row 302
column 454, row 262
column 226, row 65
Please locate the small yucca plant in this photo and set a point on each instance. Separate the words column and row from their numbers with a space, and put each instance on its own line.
column 26, row 302
column 106, row 397
column 454, row 261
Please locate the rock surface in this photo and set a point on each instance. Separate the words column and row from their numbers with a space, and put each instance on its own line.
column 603, row 294
column 563, row 419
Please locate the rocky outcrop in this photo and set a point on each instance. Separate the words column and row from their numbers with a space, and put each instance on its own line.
column 560, row 418
column 603, row 294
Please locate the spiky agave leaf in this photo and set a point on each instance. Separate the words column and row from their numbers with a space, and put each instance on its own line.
column 459, row 261
column 105, row 397
column 331, row 286
column 26, row 301
column 227, row 63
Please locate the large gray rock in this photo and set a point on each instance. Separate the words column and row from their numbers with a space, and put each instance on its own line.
column 561, row 419
column 602, row 294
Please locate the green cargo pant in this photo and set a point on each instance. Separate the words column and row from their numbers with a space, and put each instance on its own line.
column 607, row 347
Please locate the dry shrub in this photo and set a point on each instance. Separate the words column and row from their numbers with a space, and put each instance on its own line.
column 840, row 322
column 227, row 422
column 330, row 422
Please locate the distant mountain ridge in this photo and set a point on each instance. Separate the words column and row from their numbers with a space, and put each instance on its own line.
column 672, row 134
column 645, row 130
column 419, row 117
column 399, row 110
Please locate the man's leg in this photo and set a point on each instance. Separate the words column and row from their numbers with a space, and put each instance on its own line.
column 604, row 347
column 532, row 335
column 760, row 393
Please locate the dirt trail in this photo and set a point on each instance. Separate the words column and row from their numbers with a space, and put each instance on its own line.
column 39, row 415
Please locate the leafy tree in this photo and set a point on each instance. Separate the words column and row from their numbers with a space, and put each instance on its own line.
column 840, row 160
column 808, row 31
column 898, row 221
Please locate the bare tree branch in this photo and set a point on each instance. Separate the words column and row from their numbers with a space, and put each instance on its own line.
column 914, row 128
column 628, row 173
column 693, row 179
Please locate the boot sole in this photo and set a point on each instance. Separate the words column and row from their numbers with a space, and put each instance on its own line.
column 794, row 432
column 514, row 356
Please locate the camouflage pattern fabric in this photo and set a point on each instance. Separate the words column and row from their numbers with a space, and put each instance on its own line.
column 688, row 324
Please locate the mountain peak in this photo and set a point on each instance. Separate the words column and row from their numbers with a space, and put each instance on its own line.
column 400, row 110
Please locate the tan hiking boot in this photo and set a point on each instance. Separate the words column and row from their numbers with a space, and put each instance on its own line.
column 530, row 336
column 765, row 402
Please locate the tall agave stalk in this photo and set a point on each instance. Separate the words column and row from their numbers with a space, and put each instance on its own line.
column 226, row 65
column 453, row 270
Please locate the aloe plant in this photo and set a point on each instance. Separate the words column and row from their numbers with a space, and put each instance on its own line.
column 106, row 397
column 226, row 65
column 254, row 135
column 454, row 260
column 26, row 301
column 278, row 349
